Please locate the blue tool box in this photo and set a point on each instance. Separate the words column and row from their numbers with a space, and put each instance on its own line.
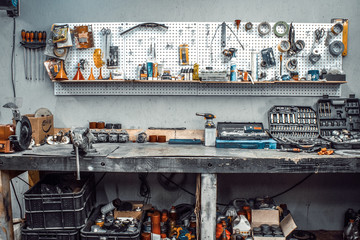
column 246, row 144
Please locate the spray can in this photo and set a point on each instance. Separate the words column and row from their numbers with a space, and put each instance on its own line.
column 233, row 71
column 149, row 70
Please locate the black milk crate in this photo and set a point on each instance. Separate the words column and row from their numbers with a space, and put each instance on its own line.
column 27, row 234
column 86, row 234
column 60, row 211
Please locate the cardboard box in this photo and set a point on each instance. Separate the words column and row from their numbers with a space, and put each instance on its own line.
column 42, row 127
column 271, row 217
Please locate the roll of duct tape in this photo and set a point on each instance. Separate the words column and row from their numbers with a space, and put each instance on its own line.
column 264, row 28
column 284, row 46
column 314, row 56
column 336, row 48
column 337, row 28
column 283, row 26
column 300, row 45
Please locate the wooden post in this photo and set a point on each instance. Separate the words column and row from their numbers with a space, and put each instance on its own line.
column 6, row 225
column 208, row 206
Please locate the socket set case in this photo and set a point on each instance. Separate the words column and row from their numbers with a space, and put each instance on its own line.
column 241, row 131
column 339, row 121
column 243, row 135
column 295, row 127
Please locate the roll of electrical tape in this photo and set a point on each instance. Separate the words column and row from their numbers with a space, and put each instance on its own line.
column 264, row 28
column 289, row 65
column 300, row 45
column 337, row 28
column 284, row 46
column 315, row 56
column 284, row 26
column 336, row 48
column 248, row 26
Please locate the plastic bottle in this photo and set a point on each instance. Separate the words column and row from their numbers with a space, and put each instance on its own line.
column 351, row 232
column 173, row 214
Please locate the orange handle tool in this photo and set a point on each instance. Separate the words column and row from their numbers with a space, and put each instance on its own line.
column 23, row 35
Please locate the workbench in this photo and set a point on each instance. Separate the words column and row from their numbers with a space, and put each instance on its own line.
column 163, row 157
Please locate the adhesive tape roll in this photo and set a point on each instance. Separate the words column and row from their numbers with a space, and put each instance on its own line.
column 337, row 28
column 336, row 48
column 284, row 46
column 264, row 28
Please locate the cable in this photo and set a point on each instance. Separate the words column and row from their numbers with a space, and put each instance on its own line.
column 17, row 199
column 24, row 181
column 177, row 185
column 13, row 59
column 102, row 177
column 297, row 184
column 167, row 185
column 145, row 190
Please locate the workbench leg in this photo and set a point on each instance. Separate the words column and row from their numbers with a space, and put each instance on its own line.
column 6, row 224
column 208, row 206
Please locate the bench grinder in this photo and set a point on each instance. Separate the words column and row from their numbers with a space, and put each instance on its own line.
column 16, row 136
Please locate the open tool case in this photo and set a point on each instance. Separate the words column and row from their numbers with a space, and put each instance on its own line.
column 295, row 127
column 243, row 135
column 339, row 121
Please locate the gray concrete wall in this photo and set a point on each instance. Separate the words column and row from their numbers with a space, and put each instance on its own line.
column 175, row 111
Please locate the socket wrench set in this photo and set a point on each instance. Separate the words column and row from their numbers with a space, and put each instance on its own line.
column 295, row 127
column 339, row 121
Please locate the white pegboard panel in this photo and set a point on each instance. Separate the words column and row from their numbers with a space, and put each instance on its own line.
column 126, row 88
column 281, row 89
column 196, row 89
column 204, row 48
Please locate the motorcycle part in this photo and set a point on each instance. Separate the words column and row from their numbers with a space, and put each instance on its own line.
column 283, row 26
column 264, row 28
column 336, row 48
column 141, row 137
column 147, row 25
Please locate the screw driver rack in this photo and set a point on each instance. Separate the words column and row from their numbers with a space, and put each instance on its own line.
column 339, row 121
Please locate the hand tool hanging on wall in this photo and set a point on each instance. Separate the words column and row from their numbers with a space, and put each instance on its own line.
column 345, row 31
column 146, row 25
column 32, row 41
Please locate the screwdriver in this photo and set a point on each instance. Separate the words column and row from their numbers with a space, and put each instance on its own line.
column 40, row 62
column 36, row 39
column 31, row 40
column 23, row 36
column 44, row 40
column 27, row 36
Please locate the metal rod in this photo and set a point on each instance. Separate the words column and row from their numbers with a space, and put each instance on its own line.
column 77, row 163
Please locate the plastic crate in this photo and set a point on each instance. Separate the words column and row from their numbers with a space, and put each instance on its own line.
column 86, row 234
column 60, row 211
column 27, row 234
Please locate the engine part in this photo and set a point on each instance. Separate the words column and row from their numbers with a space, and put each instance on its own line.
column 17, row 136
column 267, row 55
column 146, row 25
column 123, row 136
column 284, row 28
column 113, row 137
column 336, row 48
column 248, row 26
column 59, row 138
column 141, row 137
column 264, row 28
column 284, row 46
column 314, row 56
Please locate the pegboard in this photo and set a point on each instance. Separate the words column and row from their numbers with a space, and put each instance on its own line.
column 204, row 49
column 196, row 89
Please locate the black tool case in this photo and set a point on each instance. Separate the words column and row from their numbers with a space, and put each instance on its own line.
column 241, row 131
column 339, row 121
column 295, row 127
column 49, row 208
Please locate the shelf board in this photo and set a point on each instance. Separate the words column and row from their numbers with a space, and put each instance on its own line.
column 202, row 82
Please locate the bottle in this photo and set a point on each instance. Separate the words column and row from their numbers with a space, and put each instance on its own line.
column 173, row 214
column 233, row 72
